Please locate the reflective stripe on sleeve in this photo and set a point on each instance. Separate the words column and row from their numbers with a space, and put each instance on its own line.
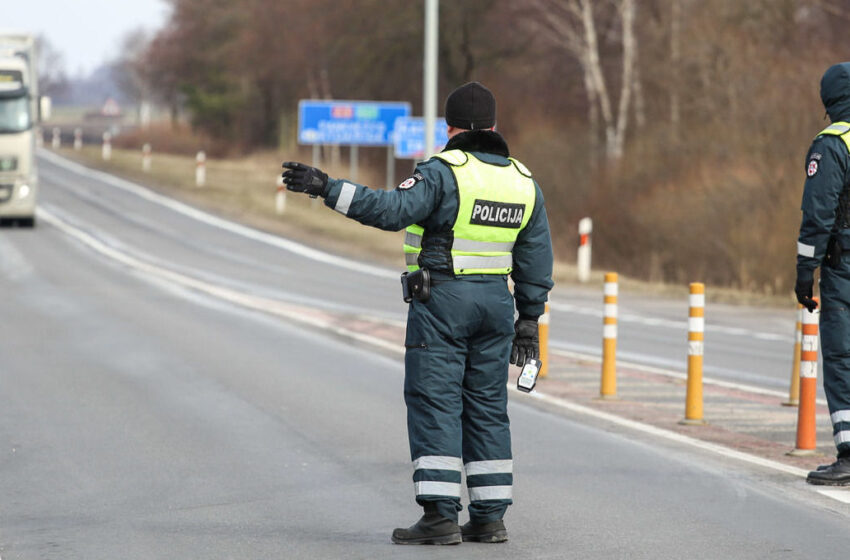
column 433, row 488
column 462, row 262
column 489, row 467
column 346, row 195
column 805, row 250
column 440, row 462
column 490, row 493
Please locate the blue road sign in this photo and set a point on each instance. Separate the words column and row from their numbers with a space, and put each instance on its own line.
column 361, row 123
column 410, row 136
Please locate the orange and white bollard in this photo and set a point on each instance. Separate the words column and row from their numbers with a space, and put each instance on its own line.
column 608, row 386
column 280, row 197
column 78, row 139
column 201, row 169
column 806, row 424
column 57, row 138
column 696, row 348
column 146, row 157
column 543, row 334
column 794, row 387
column 585, row 228
column 106, row 149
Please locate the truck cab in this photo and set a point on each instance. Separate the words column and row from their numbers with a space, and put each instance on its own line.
column 18, row 179
column 20, row 110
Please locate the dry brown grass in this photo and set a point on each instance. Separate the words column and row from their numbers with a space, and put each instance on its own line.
column 243, row 189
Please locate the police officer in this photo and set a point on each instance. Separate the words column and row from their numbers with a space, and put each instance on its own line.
column 474, row 215
column 824, row 240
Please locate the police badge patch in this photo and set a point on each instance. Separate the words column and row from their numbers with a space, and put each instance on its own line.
column 410, row 181
column 812, row 169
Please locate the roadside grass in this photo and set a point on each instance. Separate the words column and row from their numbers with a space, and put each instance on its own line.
column 243, row 189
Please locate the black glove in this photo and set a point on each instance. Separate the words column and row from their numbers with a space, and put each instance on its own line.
column 526, row 341
column 803, row 289
column 303, row 178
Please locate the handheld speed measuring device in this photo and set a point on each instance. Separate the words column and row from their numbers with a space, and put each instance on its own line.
column 528, row 377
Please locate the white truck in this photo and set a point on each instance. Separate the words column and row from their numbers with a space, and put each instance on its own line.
column 21, row 108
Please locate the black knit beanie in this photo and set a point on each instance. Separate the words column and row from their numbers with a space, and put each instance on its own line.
column 471, row 107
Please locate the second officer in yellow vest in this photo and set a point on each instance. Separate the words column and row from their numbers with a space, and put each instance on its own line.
column 474, row 215
column 825, row 242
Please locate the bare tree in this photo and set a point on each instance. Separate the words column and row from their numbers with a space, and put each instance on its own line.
column 675, row 62
column 130, row 72
column 51, row 65
column 571, row 24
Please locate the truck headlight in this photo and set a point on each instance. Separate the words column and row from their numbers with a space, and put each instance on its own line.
column 24, row 191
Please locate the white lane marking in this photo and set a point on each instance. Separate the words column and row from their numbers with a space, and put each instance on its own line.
column 13, row 264
column 679, row 325
column 670, row 435
column 835, row 494
column 209, row 219
column 327, row 258
column 680, row 375
column 256, row 303
column 274, row 307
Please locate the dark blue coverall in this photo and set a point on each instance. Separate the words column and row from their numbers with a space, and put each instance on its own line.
column 824, row 215
column 458, row 343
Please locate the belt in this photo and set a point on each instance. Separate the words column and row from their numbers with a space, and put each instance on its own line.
column 442, row 277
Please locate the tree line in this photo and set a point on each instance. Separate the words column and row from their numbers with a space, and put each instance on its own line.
column 680, row 126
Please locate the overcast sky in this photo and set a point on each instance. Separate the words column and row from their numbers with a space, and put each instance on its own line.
column 86, row 32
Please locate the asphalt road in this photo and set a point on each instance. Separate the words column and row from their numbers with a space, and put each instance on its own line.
column 144, row 419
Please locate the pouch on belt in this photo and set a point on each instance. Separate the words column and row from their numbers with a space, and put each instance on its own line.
column 416, row 285
column 834, row 250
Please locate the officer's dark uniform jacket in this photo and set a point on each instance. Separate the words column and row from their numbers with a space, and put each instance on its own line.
column 458, row 342
column 826, row 213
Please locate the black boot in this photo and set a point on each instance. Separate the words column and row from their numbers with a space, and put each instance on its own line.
column 493, row 532
column 836, row 474
column 432, row 528
column 824, row 467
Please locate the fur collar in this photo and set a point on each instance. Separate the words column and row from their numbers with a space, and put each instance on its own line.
column 486, row 141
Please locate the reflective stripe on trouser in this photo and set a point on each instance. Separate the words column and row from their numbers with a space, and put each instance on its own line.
column 489, row 480
column 437, row 476
column 456, row 369
column 835, row 346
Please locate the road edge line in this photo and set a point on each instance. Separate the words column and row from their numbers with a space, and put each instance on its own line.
column 679, row 375
column 276, row 308
column 214, row 221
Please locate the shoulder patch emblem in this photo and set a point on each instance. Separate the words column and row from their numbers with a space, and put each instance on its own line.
column 410, row 181
column 812, row 169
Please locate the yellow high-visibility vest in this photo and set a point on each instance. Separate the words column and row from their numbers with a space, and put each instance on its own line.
column 495, row 204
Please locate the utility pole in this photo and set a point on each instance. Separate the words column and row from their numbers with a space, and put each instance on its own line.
column 429, row 104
